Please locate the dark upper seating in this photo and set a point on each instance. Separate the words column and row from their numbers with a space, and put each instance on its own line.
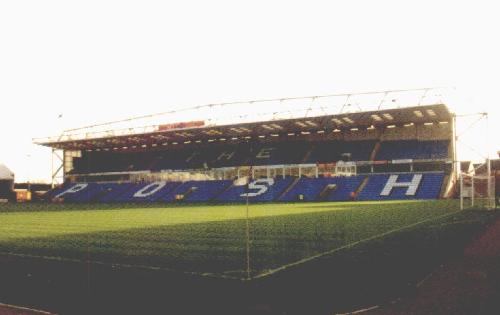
column 329, row 151
column 256, row 153
column 413, row 149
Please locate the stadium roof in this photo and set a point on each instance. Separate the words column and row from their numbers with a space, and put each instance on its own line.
column 6, row 173
column 200, row 131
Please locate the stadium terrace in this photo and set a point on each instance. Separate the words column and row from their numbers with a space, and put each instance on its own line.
column 386, row 153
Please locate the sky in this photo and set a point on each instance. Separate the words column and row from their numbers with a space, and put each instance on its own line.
column 94, row 61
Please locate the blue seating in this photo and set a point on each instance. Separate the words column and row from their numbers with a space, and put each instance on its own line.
column 310, row 188
column 257, row 153
column 112, row 192
column 127, row 194
column 72, row 192
column 86, row 195
column 345, row 187
column 378, row 187
column 147, row 192
column 197, row 191
column 78, row 192
column 206, row 190
column 258, row 190
column 56, row 190
column 179, row 190
column 219, row 155
column 427, row 187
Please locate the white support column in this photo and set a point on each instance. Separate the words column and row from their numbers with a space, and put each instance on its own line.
column 57, row 165
column 488, row 166
column 461, row 192
column 456, row 163
column 472, row 191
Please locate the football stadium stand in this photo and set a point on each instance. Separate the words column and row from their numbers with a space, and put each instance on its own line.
column 397, row 153
column 294, row 152
column 378, row 187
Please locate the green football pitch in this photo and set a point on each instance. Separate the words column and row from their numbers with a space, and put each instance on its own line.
column 206, row 239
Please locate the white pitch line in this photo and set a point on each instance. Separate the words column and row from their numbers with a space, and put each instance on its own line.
column 314, row 257
column 363, row 310
column 129, row 266
column 22, row 308
column 419, row 284
column 221, row 275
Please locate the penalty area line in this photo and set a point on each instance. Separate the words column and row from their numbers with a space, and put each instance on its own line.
column 121, row 265
column 24, row 309
column 350, row 245
column 361, row 311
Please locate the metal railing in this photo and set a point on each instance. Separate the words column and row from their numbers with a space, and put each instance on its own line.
column 228, row 113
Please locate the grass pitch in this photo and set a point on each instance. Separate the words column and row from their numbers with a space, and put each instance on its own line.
column 209, row 240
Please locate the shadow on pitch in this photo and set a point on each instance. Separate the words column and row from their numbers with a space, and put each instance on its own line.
column 358, row 277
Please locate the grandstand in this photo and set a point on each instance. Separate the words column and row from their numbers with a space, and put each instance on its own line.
column 157, row 208
column 406, row 152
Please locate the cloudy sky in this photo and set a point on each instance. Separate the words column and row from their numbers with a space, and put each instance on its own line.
column 93, row 61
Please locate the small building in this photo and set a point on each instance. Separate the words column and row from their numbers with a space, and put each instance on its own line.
column 495, row 168
column 6, row 183
column 495, row 172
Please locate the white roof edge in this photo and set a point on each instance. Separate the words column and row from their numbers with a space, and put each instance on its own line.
column 6, row 173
